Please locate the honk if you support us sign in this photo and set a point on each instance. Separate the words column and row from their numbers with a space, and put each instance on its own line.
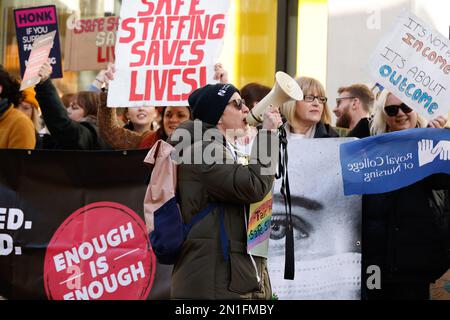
column 413, row 62
column 165, row 50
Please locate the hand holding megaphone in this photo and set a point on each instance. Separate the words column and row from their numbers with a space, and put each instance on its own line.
column 285, row 89
column 272, row 118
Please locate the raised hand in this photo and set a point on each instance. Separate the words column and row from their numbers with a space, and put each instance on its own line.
column 272, row 118
column 438, row 122
column 109, row 74
column 220, row 73
column 45, row 71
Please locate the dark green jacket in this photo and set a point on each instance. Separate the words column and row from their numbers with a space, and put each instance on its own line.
column 201, row 271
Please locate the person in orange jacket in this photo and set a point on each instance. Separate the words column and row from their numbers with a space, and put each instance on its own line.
column 16, row 129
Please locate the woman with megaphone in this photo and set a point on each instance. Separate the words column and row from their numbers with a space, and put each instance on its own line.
column 213, row 262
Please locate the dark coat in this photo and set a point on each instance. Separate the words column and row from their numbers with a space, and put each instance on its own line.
column 405, row 233
column 201, row 271
column 325, row 131
column 361, row 130
column 67, row 134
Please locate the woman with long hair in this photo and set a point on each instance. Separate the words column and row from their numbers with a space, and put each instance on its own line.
column 405, row 232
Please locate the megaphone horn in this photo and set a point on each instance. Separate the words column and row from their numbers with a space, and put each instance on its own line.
column 285, row 89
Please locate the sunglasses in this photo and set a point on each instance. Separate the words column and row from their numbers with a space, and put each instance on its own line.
column 392, row 110
column 238, row 103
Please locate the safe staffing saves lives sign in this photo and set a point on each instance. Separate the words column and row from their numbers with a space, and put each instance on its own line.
column 165, row 50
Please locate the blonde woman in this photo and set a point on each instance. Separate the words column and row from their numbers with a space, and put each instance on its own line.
column 310, row 117
column 391, row 114
column 405, row 232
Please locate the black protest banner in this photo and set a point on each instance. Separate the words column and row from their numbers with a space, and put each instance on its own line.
column 71, row 227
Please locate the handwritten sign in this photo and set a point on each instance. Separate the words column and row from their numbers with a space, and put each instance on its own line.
column 90, row 43
column 38, row 56
column 165, row 50
column 413, row 62
column 258, row 231
column 31, row 23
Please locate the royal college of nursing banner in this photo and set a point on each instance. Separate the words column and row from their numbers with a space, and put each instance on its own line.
column 72, row 227
column 395, row 160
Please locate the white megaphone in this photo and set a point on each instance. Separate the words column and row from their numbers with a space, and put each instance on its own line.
column 285, row 89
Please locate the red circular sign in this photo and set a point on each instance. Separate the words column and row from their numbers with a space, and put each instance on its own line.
column 101, row 251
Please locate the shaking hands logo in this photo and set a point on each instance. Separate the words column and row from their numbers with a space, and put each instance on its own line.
column 427, row 153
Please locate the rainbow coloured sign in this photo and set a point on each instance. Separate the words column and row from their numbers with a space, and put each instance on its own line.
column 258, row 230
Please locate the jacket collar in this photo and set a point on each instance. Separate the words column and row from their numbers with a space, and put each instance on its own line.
column 323, row 131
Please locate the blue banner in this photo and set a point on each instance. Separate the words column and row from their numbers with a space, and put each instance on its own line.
column 31, row 23
column 395, row 160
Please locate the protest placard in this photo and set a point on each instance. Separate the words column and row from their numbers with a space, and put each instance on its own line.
column 111, row 260
column 165, row 50
column 90, row 43
column 413, row 62
column 32, row 23
column 38, row 56
column 258, row 229
column 91, row 246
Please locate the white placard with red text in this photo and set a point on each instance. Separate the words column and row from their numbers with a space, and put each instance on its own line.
column 165, row 50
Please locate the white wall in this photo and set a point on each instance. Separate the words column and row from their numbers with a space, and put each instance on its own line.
column 354, row 29
column 356, row 26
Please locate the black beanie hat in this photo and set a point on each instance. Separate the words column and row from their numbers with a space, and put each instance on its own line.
column 209, row 102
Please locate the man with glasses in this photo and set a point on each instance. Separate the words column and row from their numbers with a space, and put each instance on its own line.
column 353, row 106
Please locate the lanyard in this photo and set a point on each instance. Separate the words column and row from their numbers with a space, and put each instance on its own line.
column 289, row 265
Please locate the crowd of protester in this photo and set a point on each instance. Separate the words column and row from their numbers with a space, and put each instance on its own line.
column 401, row 232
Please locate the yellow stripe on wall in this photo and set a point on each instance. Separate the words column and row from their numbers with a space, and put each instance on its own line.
column 249, row 53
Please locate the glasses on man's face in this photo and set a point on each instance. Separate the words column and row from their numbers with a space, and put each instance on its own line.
column 392, row 110
column 238, row 103
column 310, row 98
column 338, row 100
